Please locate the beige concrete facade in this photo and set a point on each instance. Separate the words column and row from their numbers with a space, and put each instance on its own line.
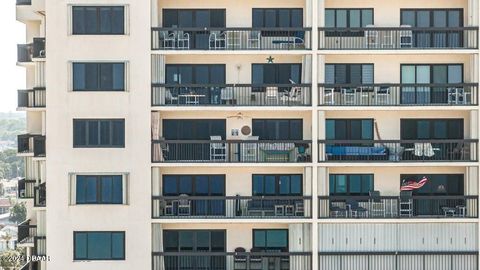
column 52, row 19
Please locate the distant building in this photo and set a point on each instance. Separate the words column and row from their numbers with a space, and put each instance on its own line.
column 4, row 205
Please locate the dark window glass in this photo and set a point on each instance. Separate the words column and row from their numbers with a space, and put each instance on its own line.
column 347, row 18
column 277, row 185
column 276, row 73
column 432, row 17
column 99, row 245
column 349, row 129
column 99, row 133
column 98, row 20
column 270, row 239
column 99, row 189
column 278, row 129
column 349, row 73
column 195, row 74
column 351, row 184
column 189, row 18
column 192, row 129
column 98, row 76
column 437, row 184
column 276, row 18
column 194, row 240
column 426, row 129
column 194, row 185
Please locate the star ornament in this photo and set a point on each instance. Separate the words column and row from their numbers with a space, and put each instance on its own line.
column 270, row 59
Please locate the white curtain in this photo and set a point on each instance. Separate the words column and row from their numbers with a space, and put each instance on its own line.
column 157, row 246
column 72, row 188
column 307, row 72
column 158, row 77
column 40, row 74
column 156, row 190
column 157, row 150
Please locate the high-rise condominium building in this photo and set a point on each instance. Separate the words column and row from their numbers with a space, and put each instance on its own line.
column 250, row 135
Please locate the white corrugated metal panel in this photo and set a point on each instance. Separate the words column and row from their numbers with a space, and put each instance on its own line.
column 436, row 262
column 357, row 237
column 465, row 262
column 398, row 237
column 438, row 237
column 410, row 262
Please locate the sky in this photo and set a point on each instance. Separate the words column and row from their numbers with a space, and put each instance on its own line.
column 12, row 77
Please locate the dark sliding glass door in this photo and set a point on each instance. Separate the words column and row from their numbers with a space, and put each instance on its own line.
column 442, row 20
column 438, row 75
column 200, row 186
column 195, row 18
column 191, row 130
column 436, row 186
column 194, row 241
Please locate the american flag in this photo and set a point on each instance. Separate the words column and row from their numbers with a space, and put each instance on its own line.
column 411, row 185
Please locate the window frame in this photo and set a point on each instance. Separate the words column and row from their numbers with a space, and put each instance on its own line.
column 193, row 66
column 430, row 177
column 431, row 10
column 431, row 66
column 194, row 123
column 193, row 178
column 195, row 243
column 194, row 13
column 98, row 120
column 348, row 71
column 98, row 17
column 266, row 241
column 277, row 17
column 431, row 126
column 75, row 258
column 348, row 177
column 277, row 71
column 348, row 10
column 349, row 128
column 99, row 189
column 99, row 75
column 264, row 127
column 277, row 185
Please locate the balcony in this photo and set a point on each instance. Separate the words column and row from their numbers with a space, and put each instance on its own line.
column 398, row 206
column 31, row 144
column 465, row 94
column 231, row 207
column 231, row 39
column 34, row 98
column 229, row 95
column 40, row 195
column 27, row 52
column 398, row 38
column 231, row 151
column 26, row 188
column 418, row 260
column 398, row 150
column 26, row 233
column 232, row 260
